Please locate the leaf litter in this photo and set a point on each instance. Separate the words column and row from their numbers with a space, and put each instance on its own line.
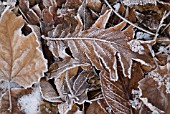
column 84, row 56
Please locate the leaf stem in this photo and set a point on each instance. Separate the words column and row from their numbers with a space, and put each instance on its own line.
column 10, row 101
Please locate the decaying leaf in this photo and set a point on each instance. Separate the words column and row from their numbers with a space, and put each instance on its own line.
column 21, row 60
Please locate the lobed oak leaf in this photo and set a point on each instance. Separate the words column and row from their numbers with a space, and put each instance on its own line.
column 21, row 60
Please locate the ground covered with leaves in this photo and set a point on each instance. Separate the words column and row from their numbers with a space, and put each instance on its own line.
column 85, row 57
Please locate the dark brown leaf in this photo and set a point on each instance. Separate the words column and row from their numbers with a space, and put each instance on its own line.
column 118, row 93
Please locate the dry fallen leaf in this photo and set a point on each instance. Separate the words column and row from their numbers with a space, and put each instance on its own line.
column 118, row 94
column 99, row 46
column 157, row 85
column 21, row 60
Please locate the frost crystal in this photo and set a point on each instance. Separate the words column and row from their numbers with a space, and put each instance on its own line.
column 164, row 50
column 30, row 103
column 142, row 36
column 136, row 102
column 157, row 77
column 167, row 85
column 136, row 46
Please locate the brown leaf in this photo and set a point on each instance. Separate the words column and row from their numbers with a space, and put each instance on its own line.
column 118, row 93
column 95, row 108
column 156, row 85
column 48, row 92
column 94, row 5
column 99, row 46
column 21, row 59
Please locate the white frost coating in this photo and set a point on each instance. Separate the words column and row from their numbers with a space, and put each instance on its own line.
column 135, row 103
column 141, row 36
column 136, row 46
column 116, row 7
column 167, row 85
column 30, row 103
column 157, row 77
column 154, row 109
column 164, row 50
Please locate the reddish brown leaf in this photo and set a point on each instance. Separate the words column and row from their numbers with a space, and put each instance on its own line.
column 118, row 93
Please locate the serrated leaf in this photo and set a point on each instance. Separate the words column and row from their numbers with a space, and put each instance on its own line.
column 99, row 47
column 21, row 60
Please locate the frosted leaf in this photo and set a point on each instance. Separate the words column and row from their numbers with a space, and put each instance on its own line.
column 138, row 2
column 167, row 85
column 21, row 60
column 136, row 103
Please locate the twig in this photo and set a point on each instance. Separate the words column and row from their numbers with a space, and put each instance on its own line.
column 127, row 20
column 161, row 23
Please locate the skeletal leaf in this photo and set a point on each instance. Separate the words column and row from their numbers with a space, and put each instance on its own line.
column 21, row 60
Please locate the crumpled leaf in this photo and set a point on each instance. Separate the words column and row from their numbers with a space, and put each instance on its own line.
column 77, row 86
column 21, row 60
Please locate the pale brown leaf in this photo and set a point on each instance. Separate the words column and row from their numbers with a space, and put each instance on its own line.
column 21, row 60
